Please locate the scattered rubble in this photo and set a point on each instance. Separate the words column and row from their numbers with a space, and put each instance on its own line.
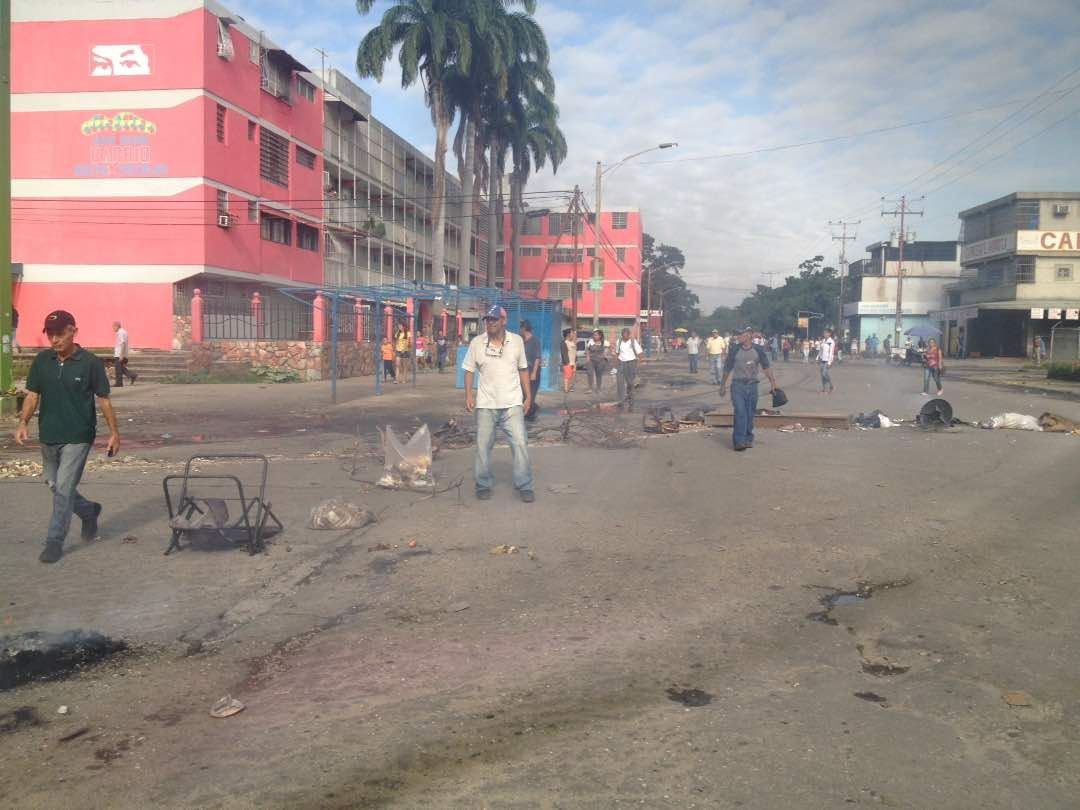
column 408, row 465
column 336, row 513
column 1011, row 421
column 1017, row 699
column 504, row 549
column 226, row 707
column 1052, row 423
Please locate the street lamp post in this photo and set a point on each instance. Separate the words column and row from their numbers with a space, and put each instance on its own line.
column 597, row 277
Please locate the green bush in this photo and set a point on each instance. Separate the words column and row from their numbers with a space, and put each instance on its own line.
column 1064, row 371
column 222, row 375
column 275, row 375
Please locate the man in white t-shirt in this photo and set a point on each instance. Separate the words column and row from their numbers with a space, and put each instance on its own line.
column 628, row 353
column 693, row 348
column 120, row 356
column 717, row 347
column 499, row 358
column 826, row 357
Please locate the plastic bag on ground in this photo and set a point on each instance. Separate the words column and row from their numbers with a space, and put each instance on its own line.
column 336, row 513
column 407, row 466
column 1011, row 421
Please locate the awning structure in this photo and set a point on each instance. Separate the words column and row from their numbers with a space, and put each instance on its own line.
column 972, row 310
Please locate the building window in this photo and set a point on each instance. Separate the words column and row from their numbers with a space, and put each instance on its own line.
column 251, row 130
column 273, row 158
column 620, row 254
column 329, row 246
column 563, row 223
column 564, row 256
column 529, row 286
column 223, row 202
column 253, row 210
column 276, row 229
column 620, row 289
column 305, row 158
column 305, row 89
column 619, row 220
column 220, row 123
column 254, row 52
column 1063, row 272
column 307, row 238
column 531, row 251
column 590, row 252
column 224, row 41
column 1062, row 209
column 558, row 289
column 1025, row 270
column 532, row 226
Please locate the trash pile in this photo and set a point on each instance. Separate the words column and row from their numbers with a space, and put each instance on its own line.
column 1011, row 421
column 336, row 513
column 874, row 419
column 18, row 468
column 408, row 465
column 659, row 419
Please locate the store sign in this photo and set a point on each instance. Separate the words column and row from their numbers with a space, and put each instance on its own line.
column 1048, row 241
column 120, row 60
column 1055, row 314
column 1038, row 314
column 988, row 247
column 121, row 145
column 883, row 308
column 1072, row 314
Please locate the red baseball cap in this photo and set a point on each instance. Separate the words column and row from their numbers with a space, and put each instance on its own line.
column 57, row 321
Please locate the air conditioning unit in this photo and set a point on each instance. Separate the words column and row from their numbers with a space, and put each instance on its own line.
column 224, row 220
column 1062, row 210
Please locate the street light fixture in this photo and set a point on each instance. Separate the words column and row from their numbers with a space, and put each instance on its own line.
column 596, row 280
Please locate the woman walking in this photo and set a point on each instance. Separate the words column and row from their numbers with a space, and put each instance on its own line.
column 933, row 365
column 597, row 357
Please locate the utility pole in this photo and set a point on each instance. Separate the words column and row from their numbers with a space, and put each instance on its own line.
column 575, row 218
column 843, row 239
column 7, row 404
column 597, row 282
column 903, row 211
column 770, row 274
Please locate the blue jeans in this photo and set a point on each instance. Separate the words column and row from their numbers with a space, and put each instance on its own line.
column 512, row 422
column 928, row 375
column 693, row 363
column 716, row 363
column 744, row 401
column 63, row 465
column 826, row 380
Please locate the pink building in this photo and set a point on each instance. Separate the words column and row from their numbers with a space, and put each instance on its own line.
column 156, row 147
column 549, row 261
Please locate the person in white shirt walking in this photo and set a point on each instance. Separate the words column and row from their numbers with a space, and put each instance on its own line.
column 717, row 347
column 499, row 358
column 628, row 353
column 826, row 357
column 120, row 356
column 693, row 348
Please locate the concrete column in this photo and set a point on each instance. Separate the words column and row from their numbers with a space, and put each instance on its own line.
column 358, row 308
column 196, row 316
column 444, row 320
column 460, row 327
column 319, row 319
column 388, row 312
column 259, row 316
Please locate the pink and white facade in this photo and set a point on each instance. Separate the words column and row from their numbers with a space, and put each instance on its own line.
column 156, row 146
column 550, row 263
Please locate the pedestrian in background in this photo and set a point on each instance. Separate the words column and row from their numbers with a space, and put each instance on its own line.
column 628, row 353
column 120, row 356
column 388, row 354
column 745, row 361
column 596, row 355
column 774, row 347
column 693, row 346
column 826, row 357
column 401, row 348
column 65, row 380
column 14, row 329
column 442, row 346
column 499, row 402
column 805, row 344
column 716, row 346
column 933, row 365
column 532, row 357
column 569, row 360
column 786, row 349
column 1040, row 349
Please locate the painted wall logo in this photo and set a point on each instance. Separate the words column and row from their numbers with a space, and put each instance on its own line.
column 121, row 146
column 120, row 60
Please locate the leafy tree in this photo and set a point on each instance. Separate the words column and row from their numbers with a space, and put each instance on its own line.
column 662, row 266
column 433, row 38
column 774, row 309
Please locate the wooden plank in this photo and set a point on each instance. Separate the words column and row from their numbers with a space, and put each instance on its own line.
column 836, row 421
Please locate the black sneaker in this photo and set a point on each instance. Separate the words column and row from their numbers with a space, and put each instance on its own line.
column 739, row 448
column 483, row 494
column 51, row 553
column 89, row 525
column 527, row 496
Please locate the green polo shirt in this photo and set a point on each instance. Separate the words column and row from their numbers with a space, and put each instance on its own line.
column 66, row 413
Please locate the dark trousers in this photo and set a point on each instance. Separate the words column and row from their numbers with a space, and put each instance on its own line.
column 744, row 402
column 534, row 389
column 596, row 373
column 388, row 370
column 121, row 367
column 693, row 363
column 625, row 379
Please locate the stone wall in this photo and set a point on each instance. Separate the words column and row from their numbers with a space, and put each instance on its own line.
column 181, row 333
column 309, row 359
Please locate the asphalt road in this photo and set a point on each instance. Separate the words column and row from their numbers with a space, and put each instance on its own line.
column 665, row 636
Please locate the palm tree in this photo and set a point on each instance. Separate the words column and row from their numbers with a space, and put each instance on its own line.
column 433, row 38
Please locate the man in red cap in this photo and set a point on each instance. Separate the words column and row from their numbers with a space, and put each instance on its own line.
column 499, row 358
column 65, row 380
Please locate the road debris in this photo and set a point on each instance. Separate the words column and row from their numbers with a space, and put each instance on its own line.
column 407, row 465
column 872, row 697
column 63, row 710
column 336, row 513
column 1011, row 421
column 689, row 697
column 130, row 539
column 412, row 543
column 226, row 707
column 563, row 489
column 457, row 607
column 874, row 419
column 379, row 547
column 504, row 549
column 659, row 419
column 74, row 735
column 19, row 469
column 1017, row 699
column 1052, row 423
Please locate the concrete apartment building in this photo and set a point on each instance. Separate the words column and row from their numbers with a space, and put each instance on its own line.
column 1020, row 258
column 158, row 147
column 870, row 297
column 550, row 263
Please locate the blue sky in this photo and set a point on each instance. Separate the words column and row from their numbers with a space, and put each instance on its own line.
column 722, row 76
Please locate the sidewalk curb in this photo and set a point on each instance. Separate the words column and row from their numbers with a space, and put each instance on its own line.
column 1053, row 393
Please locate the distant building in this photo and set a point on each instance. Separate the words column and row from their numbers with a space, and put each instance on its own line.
column 550, row 263
column 870, row 297
column 1021, row 273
